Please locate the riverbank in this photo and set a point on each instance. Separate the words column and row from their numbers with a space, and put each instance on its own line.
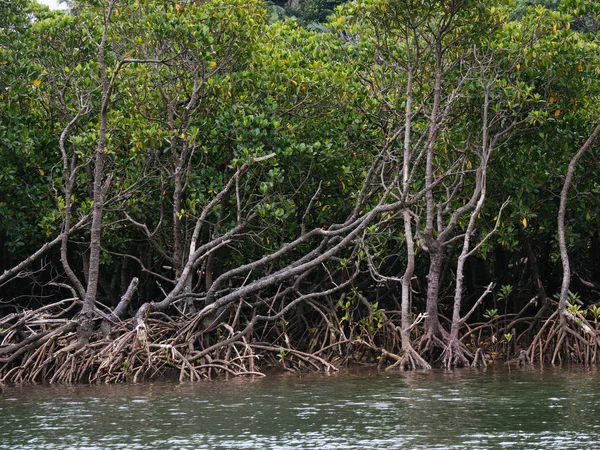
column 40, row 348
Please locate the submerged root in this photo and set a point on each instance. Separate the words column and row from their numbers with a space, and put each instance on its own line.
column 411, row 360
column 523, row 359
column 479, row 360
column 455, row 355
column 408, row 359
column 36, row 348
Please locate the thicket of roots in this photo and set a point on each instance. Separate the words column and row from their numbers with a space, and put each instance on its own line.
column 44, row 345
column 431, row 344
column 566, row 337
column 456, row 355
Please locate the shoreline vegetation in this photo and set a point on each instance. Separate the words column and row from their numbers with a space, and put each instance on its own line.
column 169, row 348
column 218, row 188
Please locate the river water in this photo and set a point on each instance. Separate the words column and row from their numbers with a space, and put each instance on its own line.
column 428, row 410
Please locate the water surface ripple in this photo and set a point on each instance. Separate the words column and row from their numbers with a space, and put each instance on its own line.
column 435, row 410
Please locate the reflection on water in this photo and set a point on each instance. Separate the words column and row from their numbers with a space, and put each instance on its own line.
column 460, row 409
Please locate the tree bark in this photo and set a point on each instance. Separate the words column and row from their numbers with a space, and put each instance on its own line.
column 432, row 321
column 562, row 210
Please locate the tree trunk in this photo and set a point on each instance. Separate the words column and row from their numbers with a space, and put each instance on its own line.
column 89, row 303
column 432, row 321
column 562, row 242
column 406, row 282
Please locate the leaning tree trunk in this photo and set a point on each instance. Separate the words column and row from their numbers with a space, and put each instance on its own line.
column 454, row 354
column 562, row 245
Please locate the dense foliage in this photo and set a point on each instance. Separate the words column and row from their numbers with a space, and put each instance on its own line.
column 200, row 184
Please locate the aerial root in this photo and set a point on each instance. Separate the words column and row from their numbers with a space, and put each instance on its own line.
column 569, row 338
column 479, row 359
column 409, row 360
column 455, row 355
column 51, row 351
column 431, row 344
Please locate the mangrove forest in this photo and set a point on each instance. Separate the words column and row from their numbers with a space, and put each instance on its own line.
column 210, row 188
